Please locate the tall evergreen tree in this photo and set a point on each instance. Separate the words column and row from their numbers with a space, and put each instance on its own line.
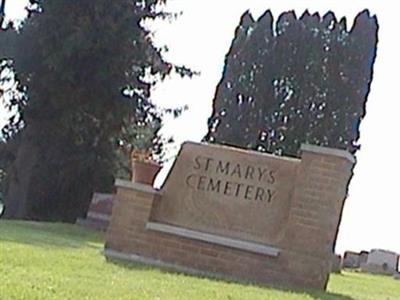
column 294, row 81
column 84, row 66
column 2, row 6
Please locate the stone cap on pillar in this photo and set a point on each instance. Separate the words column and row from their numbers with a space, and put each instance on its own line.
column 137, row 186
column 328, row 151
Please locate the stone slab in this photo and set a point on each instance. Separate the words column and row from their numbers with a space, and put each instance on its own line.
column 214, row 239
column 136, row 186
column 228, row 192
column 328, row 151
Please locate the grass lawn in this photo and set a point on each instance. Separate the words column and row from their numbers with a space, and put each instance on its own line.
column 57, row 261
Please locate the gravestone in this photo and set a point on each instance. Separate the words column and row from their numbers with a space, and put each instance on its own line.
column 99, row 213
column 236, row 214
column 351, row 260
column 381, row 262
column 336, row 264
column 363, row 257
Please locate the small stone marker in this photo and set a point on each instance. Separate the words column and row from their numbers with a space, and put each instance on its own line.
column 381, row 262
column 351, row 260
column 336, row 264
column 363, row 257
column 236, row 214
column 99, row 213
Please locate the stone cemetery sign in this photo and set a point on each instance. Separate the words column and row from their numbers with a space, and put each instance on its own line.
column 236, row 214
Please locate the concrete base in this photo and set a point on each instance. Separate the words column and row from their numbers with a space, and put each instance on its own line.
column 148, row 261
column 173, row 267
column 214, row 239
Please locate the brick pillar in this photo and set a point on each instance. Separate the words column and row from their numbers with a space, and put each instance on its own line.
column 320, row 190
column 131, row 211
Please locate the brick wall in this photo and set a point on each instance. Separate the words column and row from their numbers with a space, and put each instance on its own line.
column 305, row 251
column 317, row 204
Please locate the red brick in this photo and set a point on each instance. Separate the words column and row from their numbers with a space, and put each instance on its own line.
column 208, row 252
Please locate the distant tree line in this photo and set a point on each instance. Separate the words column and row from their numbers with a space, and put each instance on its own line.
column 295, row 80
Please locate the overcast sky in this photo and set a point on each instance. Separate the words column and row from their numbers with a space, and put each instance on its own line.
column 201, row 37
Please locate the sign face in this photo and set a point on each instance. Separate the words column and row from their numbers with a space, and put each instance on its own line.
column 230, row 192
column 246, row 182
